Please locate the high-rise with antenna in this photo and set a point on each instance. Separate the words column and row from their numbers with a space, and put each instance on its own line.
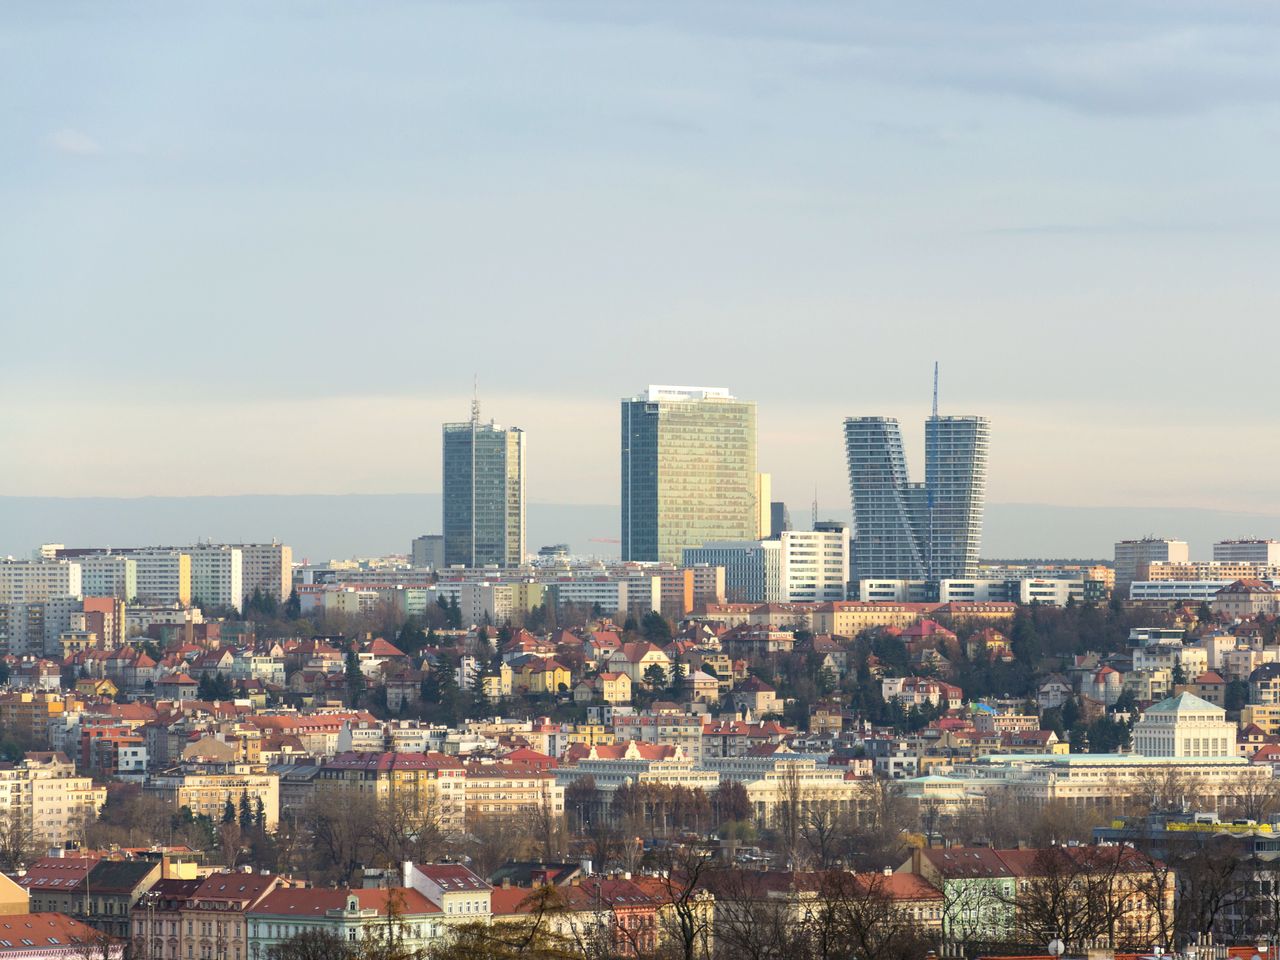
column 483, row 467
column 917, row 531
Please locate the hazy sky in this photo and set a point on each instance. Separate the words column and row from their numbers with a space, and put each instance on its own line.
column 263, row 247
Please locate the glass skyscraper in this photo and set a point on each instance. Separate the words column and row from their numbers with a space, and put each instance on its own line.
column 688, row 471
column 483, row 493
column 917, row 531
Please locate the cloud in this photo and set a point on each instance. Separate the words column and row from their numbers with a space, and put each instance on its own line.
column 75, row 142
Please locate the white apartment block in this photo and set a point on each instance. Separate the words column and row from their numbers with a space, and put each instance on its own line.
column 815, row 564
column 1053, row 591
column 1262, row 552
column 44, row 792
column 611, row 595
column 267, row 567
column 217, row 575
column 109, row 575
column 28, row 581
column 164, row 575
column 1189, row 591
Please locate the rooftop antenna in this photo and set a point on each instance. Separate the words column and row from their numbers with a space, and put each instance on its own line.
column 475, row 400
column 814, row 525
column 933, row 457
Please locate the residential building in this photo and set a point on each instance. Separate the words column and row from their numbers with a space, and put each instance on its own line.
column 483, row 493
column 266, row 567
column 510, row 792
column 217, row 575
column 209, row 793
column 53, row 801
column 429, row 783
column 688, row 471
column 353, row 916
column 109, row 575
column 164, row 575
column 35, row 627
column 1246, row 599
column 29, row 581
column 53, row 936
column 461, row 896
column 97, row 892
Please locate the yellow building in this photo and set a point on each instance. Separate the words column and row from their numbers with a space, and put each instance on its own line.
column 498, row 687
column 1265, row 715
column 14, row 900
column 27, row 713
column 544, row 676
column 431, row 784
column 208, row 793
column 499, row 790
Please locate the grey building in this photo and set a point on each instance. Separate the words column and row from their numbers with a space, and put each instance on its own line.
column 688, row 471
column 427, row 551
column 483, row 493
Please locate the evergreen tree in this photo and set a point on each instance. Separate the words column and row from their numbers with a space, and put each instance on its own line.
column 293, row 606
column 655, row 629
column 229, row 812
column 355, row 677
column 246, row 813
column 455, row 614
column 260, row 815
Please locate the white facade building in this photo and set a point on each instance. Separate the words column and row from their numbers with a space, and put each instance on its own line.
column 109, row 575
column 164, row 575
column 1130, row 554
column 1261, row 552
column 217, row 575
column 815, row 564
column 267, row 567
column 1184, row 726
column 1191, row 591
column 28, row 581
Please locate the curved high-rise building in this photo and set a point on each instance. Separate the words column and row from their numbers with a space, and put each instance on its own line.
column 917, row 531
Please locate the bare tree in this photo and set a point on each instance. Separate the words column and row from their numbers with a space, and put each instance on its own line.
column 18, row 845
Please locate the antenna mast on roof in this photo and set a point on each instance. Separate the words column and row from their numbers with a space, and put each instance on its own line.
column 932, row 456
column 475, row 400
column 814, row 525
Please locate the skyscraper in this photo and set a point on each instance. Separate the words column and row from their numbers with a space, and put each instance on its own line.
column 483, row 493
column 955, row 478
column 887, row 510
column 914, row 531
column 688, row 471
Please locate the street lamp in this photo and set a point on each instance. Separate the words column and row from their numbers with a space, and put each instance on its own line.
column 1056, row 947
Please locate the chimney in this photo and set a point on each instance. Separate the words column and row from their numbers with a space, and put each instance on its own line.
column 506, row 883
column 406, row 873
column 888, row 871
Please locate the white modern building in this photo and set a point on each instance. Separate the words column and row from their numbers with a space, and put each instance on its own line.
column 1184, row 726
column 1055, row 591
column 799, row 566
column 34, row 627
column 1171, row 591
column 1261, row 552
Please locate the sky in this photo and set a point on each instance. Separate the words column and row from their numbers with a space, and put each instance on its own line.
column 265, row 248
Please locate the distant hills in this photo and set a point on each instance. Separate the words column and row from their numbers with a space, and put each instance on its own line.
column 344, row 525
